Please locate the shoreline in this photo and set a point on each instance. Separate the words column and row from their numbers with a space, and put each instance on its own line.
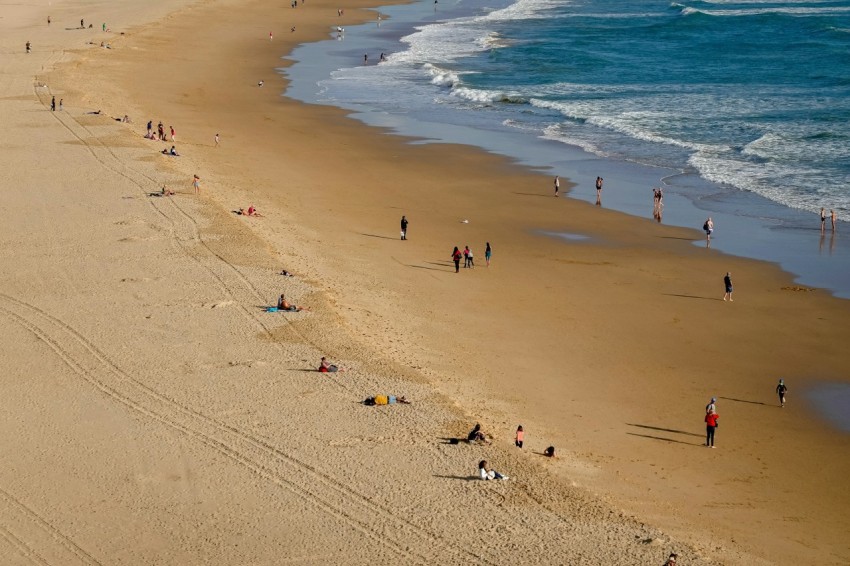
column 331, row 223
column 748, row 225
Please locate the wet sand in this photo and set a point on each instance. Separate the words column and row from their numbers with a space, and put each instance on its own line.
column 158, row 411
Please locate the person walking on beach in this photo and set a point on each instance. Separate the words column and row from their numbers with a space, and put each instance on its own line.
column 61, row 104
column 28, row 46
column 822, row 220
column 488, row 251
column 711, row 407
column 456, row 255
column 599, row 191
column 150, row 128
column 709, row 230
column 53, row 104
column 465, row 257
column 520, row 435
column 781, row 390
column 216, row 140
column 557, row 185
column 172, row 132
column 711, row 425
column 196, row 183
column 833, row 217
column 404, row 227
column 727, row 282
column 470, row 260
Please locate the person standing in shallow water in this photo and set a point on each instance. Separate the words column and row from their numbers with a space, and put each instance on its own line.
column 599, row 191
column 404, row 227
column 709, row 230
column 822, row 220
column 727, row 282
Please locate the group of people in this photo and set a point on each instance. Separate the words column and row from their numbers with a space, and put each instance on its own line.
column 832, row 216
column 468, row 257
column 712, row 417
column 160, row 134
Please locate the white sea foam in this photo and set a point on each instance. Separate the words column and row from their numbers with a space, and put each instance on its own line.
column 788, row 10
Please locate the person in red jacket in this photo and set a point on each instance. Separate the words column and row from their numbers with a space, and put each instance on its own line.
column 710, row 426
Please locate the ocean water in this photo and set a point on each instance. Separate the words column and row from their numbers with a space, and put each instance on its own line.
column 740, row 110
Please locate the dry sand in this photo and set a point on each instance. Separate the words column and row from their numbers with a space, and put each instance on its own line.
column 153, row 413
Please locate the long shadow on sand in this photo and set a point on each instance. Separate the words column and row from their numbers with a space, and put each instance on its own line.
column 664, row 439
column 429, row 268
column 743, row 401
column 692, row 297
column 673, row 430
column 378, row 236
column 464, row 478
column 534, row 195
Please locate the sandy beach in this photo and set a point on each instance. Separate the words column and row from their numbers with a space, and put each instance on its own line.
column 155, row 413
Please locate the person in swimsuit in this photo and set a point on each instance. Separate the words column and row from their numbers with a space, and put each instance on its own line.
column 598, row 191
column 833, row 217
column 284, row 305
column 557, row 185
column 520, row 435
column 822, row 220
column 709, row 230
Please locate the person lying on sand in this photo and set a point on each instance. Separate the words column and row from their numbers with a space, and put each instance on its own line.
column 326, row 367
column 488, row 474
column 386, row 400
column 285, row 273
column 250, row 212
column 284, row 305
column 475, row 435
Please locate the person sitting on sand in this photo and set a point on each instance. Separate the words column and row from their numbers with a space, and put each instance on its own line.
column 172, row 152
column 166, row 192
column 549, row 452
column 253, row 212
column 475, row 435
column 326, row 367
column 487, row 474
column 671, row 560
column 284, row 305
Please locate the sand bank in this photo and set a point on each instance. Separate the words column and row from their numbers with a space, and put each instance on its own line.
column 158, row 415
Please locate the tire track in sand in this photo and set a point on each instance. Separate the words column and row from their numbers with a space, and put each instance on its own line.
column 257, row 455
column 26, row 515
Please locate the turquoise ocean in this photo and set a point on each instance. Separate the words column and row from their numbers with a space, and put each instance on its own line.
column 738, row 110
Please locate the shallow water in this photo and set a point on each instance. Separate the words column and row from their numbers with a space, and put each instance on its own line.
column 416, row 95
column 832, row 400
